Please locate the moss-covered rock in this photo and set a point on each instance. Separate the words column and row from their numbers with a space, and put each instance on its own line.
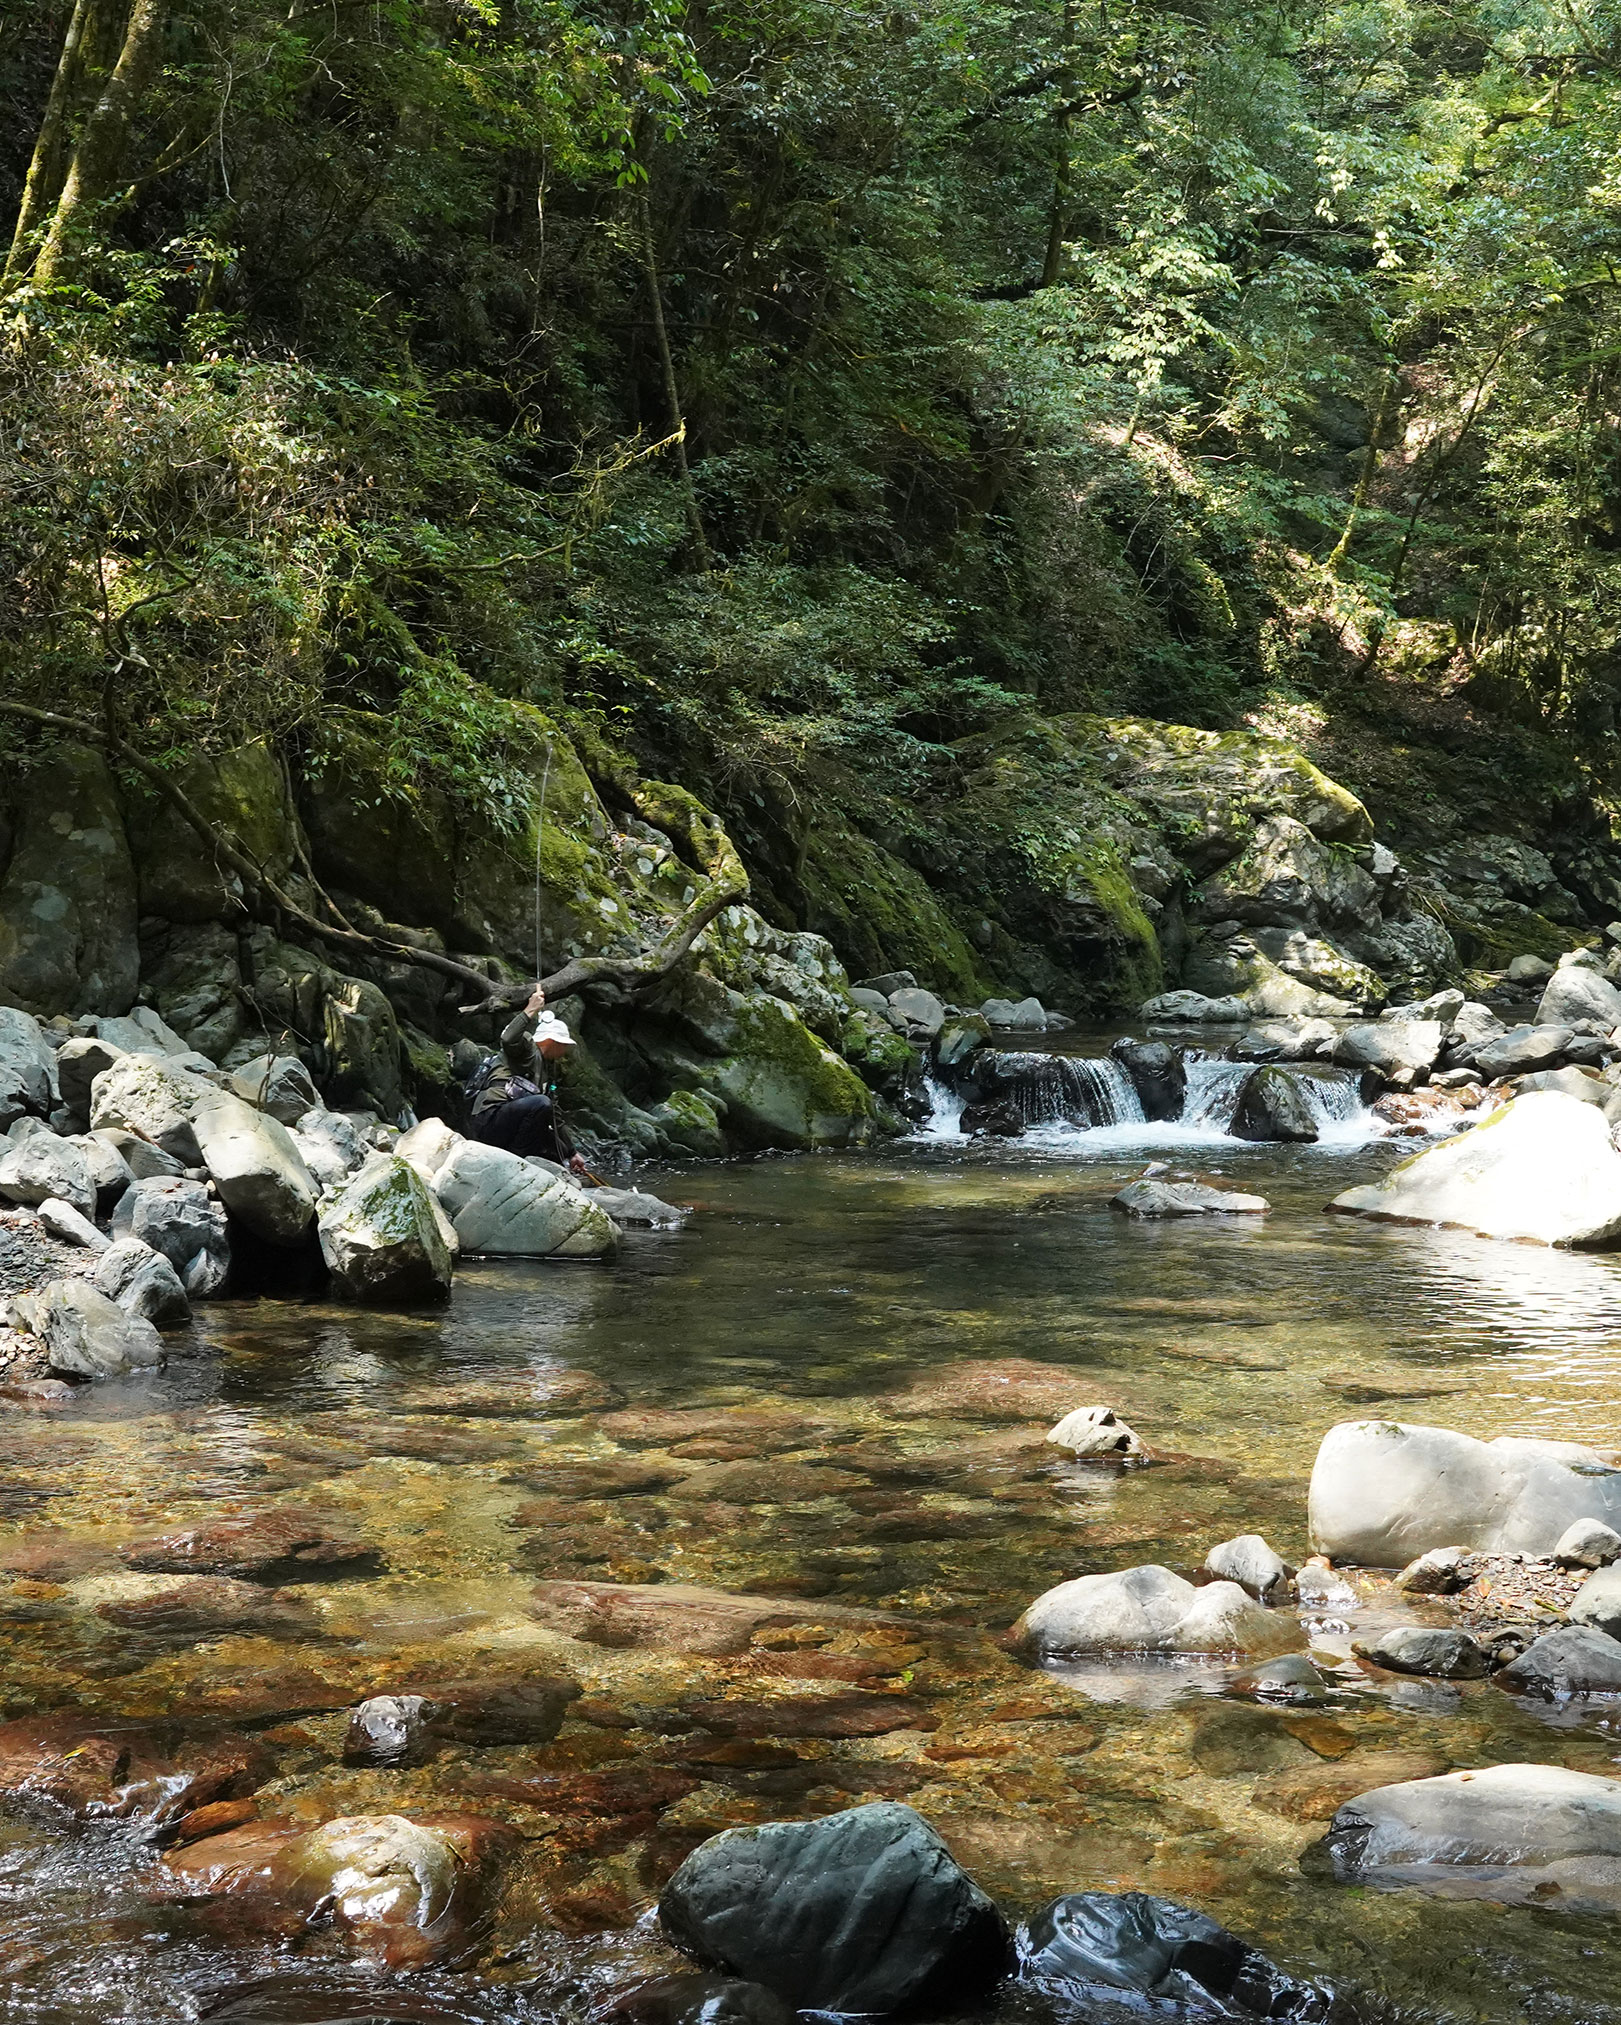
column 244, row 793
column 880, row 913
column 385, row 1239
column 67, row 891
column 689, row 1123
column 783, row 1087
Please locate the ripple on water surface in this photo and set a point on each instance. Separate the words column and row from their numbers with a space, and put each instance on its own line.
column 829, row 1394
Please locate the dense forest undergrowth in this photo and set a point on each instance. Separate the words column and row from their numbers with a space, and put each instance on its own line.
column 471, row 446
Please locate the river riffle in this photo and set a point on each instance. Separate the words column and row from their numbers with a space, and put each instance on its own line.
column 829, row 1389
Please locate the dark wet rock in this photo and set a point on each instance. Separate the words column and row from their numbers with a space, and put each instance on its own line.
column 836, row 1716
column 1273, row 1108
column 95, row 1769
column 403, row 1892
column 607, row 1479
column 1440, row 1651
column 143, row 1283
column 405, row 1727
column 1159, row 1950
column 85, row 1335
column 1157, row 1075
column 998, row 1119
column 212, row 1606
column 1317, row 1792
column 181, row 1220
column 957, row 1039
column 559, row 1394
column 642, row 1791
column 304, row 1997
column 1185, row 1198
column 214, row 1818
column 390, row 1730
column 276, row 1545
column 1253, row 1565
column 697, row 2000
column 1502, row 1831
column 1291, row 1679
column 260, row 1695
column 861, row 1912
column 635, row 1209
column 1577, row 1659
column 1443, row 1571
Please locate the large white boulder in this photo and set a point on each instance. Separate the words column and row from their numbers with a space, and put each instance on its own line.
column 428, row 1145
column 88, row 1336
column 153, row 1099
column 1152, row 1610
column 1540, row 1169
column 1389, row 1045
column 42, row 1166
column 259, row 1172
column 1541, row 1823
column 501, row 1205
column 331, row 1147
column 1575, row 992
column 28, row 1085
column 143, row 1283
column 1382, row 1493
column 384, row 1237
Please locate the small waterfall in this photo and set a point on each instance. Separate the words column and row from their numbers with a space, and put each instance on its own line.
column 1062, row 1089
column 945, row 1112
column 1214, row 1088
column 1335, row 1103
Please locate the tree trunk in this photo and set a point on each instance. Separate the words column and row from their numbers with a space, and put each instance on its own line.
column 44, row 180
column 672, row 390
column 99, row 157
column 1058, row 212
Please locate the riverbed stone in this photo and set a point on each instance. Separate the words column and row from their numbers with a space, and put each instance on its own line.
column 108, row 1769
column 69, row 1225
column 1185, row 1198
column 1273, row 1107
column 1443, row 1571
column 1521, row 1051
column 110, row 1173
column 1149, row 1609
column 1158, row 1950
column 502, row 1205
column 179, row 1218
column 1513, row 1827
column 1384, row 1492
column 78, row 1063
column 385, row 1238
column 43, row 1166
column 1257, row 1568
column 1587, row 1543
column 861, row 1912
column 143, row 1283
column 1576, row 992
column 184, row 1609
column 1576, row 1659
column 88, row 1336
column 281, row 1544
column 28, row 1085
column 1540, row 1169
column 1389, row 1045
column 259, row 1172
column 277, row 1084
column 145, row 1161
column 698, row 1999
column 1157, row 1075
column 1598, row 1601
column 1438, row 1650
column 1096, row 1431
column 153, row 1099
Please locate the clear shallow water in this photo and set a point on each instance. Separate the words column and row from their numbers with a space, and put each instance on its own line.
column 887, row 1336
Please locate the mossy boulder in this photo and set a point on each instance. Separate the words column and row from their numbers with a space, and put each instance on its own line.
column 67, row 891
column 384, row 1237
column 880, row 913
column 244, row 793
column 690, row 1123
column 782, row 1087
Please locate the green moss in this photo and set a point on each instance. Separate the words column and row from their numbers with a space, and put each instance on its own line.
column 782, row 1087
column 244, row 793
column 880, row 914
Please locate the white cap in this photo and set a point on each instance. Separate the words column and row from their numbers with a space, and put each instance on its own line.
column 550, row 1028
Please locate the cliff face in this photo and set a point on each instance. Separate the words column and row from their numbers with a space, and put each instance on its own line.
column 1092, row 862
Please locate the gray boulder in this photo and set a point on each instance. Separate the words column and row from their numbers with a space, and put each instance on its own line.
column 1587, row 1543
column 384, row 1237
column 88, row 1336
column 279, row 1084
column 1185, row 1198
column 919, row 1009
column 43, row 1166
column 1521, row 1051
column 1575, row 992
column 1444, row 1006
column 1443, row 1571
column 1253, row 1565
column 142, row 1031
column 1526, row 1824
column 70, row 1226
column 181, row 1220
column 1529, row 970
column 1427, row 1649
column 28, row 1086
column 1582, row 1084
column 155, row 1100
column 1598, row 1601
column 861, row 1913
column 1196, row 1008
column 330, row 1146
column 1540, row 1169
column 143, row 1283
column 1383, row 1493
column 1273, row 1107
column 1577, row 1659
column 1474, row 1024
column 145, row 1161
column 259, row 1172
column 1389, row 1045
column 502, row 1206
column 1151, row 1609
column 1286, row 1040
column 78, row 1063
column 110, row 1173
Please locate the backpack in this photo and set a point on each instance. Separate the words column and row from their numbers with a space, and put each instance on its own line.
column 478, row 1082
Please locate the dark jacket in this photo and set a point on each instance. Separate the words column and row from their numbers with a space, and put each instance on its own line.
column 523, row 1071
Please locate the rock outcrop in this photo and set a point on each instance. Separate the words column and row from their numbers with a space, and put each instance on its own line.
column 384, row 1237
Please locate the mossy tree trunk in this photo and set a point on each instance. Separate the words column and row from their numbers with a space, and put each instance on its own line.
column 98, row 158
column 43, row 184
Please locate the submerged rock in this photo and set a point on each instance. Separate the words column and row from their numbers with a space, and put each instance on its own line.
column 1096, row 1431
column 107, row 1769
column 1156, row 1949
column 1151, row 1610
column 1503, row 1827
column 862, row 1912
column 1185, row 1198
column 698, row 2000
column 1253, row 1565
column 143, row 1283
column 636, row 1208
column 1383, row 1493
column 88, row 1336
column 1426, row 1649
column 1542, row 1168
column 279, row 1544
column 401, row 1728
column 385, row 1238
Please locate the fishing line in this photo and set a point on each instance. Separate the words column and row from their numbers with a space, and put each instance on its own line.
column 540, row 831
